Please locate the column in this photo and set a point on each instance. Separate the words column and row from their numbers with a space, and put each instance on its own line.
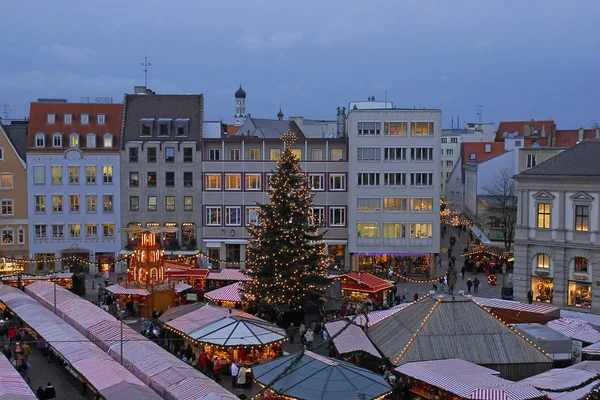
column 560, row 231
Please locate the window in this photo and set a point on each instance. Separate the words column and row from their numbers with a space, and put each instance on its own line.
column 90, row 175
column 454, row 140
column 394, row 204
column 421, row 179
column 316, row 154
column 74, row 140
column 151, row 178
column 421, row 231
column 582, row 215
column 40, row 203
column 297, row 153
column 39, row 175
column 369, row 128
column 496, row 223
column 253, row 182
column 40, row 140
column 337, row 216
column 169, row 154
column 74, row 205
column 56, row 175
column 134, row 203
column 91, row 230
column 368, row 204
column 448, row 175
column 394, row 230
column 421, row 128
column 337, row 182
column 252, row 216
column 213, row 182
column 188, row 203
column 101, row 119
column 8, row 236
column 213, row 215
column 146, row 127
column 269, row 181
column 444, row 140
column 182, row 126
column 40, row 231
column 170, row 203
column 421, row 204
column 543, row 261
column 318, row 216
column 58, row 231
column 51, row 118
column 73, row 175
column 234, row 154
column 233, row 216
column 7, row 207
column 543, row 215
column 581, row 264
column 214, row 154
column 336, row 155
column 57, row 140
column 108, row 230
column 368, row 154
column 90, row 140
column 188, row 179
column 133, row 154
column 151, row 154
column 472, row 156
column 488, row 148
column 395, row 128
column 68, row 118
column 368, row 179
column 254, row 154
column 164, row 127
column 449, row 152
column 74, row 231
column 57, row 203
column 394, row 153
column 134, row 179
column 21, row 236
column 449, row 163
column 108, row 141
column 91, row 203
column 394, row 179
column 107, row 174
column 367, row 230
column 233, row 182
column 274, row 154
column 316, row 182
column 85, row 119
column 188, row 154
column 6, row 180
column 152, row 203
column 530, row 160
column 107, row 202
column 421, row 153
column 518, row 142
column 170, row 179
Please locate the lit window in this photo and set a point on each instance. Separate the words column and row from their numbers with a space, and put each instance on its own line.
column 107, row 174
column 421, row 204
column 335, row 154
column 421, row 129
column 395, row 128
column 91, row 230
column 6, row 179
column 108, row 141
column 316, row 182
column 188, row 203
column 367, row 230
column 91, row 203
column 213, row 182
column 40, row 203
column 337, row 182
column 582, row 216
column 421, row 231
column 108, row 230
column 543, row 261
column 74, row 140
column 58, row 231
column 252, row 181
column 51, row 118
column 274, row 154
column 368, row 204
column 107, row 202
column 90, row 175
column 74, row 203
column 68, row 119
column 581, row 264
column 57, row 140
column 8, row 236
column 134, row 179
column 337, row 216
column 254, row 154
column 40, row 231
column 57, row 203
column 56, row 175
column 449, row 163
column 233, row 216
column 318, row 216
column 151, row 179
column 297, row 153
column 170, row 203
column 91, row 141
column 85, row 119
column 394, row 230
column 7, row 207
column 394, row 204
column 101, row 119
column 74, row 231
column 21, row 236
column 213, row 215
column 73, row 175
column 543, row 216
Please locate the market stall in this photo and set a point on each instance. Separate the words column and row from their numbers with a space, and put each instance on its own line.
column 360, row 287
column 196, row 277
column 565, row 383
column 64, row 279
column 576, row 330
column 12, row 384
column 513, row 312
column 227, row 296
column 352, row 341
column 486, row 259
column 226, row 277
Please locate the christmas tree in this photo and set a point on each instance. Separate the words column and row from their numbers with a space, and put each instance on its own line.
column 286, row 254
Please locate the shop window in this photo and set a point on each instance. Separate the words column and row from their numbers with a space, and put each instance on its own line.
column 543, row 261
column 542, row 288
column 581, row 264
column 580, row 294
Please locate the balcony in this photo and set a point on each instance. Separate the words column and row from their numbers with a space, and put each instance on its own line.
column 395, row 242
column 367, row 241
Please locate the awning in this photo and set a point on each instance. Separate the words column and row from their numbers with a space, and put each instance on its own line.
column 180, row 287
column 377, row 316
column 236, row 331
column 575, row 329
column 226, row 293
column 352, row 339
column 118, row 289
column 515, row 305
column 480, row 235
column 228, row 274
column 591, row 319
column 12, row 384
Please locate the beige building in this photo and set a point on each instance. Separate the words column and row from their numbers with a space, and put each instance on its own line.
column 13, row 178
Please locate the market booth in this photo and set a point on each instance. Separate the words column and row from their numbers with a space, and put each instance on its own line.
column 455, row 379
column 12, row 384
column 190, row 274
column 64, row 279
column 226, row 277
column 490, row 259
column 575, row 329
column 359, row 287
column 227, row 296
column 565, row 383
column 514, row 312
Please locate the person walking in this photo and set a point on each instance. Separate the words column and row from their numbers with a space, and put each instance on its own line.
column 217, row 370
column 40, row 393
column 203, row 358
column 462, row 272
column 469, row 285
column 12, row 334
column 50, row 392
column 476, row 285
column 26, row 350
column 302, row 332
column 530, row 296
column 235, row 370
column 291, row 332
column 310, row 336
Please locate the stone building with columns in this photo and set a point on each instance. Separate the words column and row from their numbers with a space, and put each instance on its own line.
column 557, row 242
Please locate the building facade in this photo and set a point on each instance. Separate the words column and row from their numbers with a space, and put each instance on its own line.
column 394, row 188
column 557, row 243
column 73, row 181
column 161, row 168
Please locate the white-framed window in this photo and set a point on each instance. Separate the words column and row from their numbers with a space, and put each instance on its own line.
column 7, row 207
column 488, row 148
column 444, row 141
column 368, row 179
column 395, row 128
column 90, row 175
column 337, row 182
column 73, row 140
column 212, row 181
column 74, row 231
column 394, row 204
column 394, row 179
column 421, row 231
column 107, row 174
column 336, row 154
column 233, row 181
column 454, row 140
column 1, row 153
column 40, row 231
column 394, row 230
column 367, row 230
column 368, row 204
column 472, row 156
column 101, row 119
column 51, row 118
column 40, row 140
column 254, row 154
column 233, row 216
column 531, row 160
column 91, row 230
column 394, row 153
column 449, row 152
column 58, row 231
column 318, row 216
column 449, row 163
column 366, row 154
column 274, row 154
column 253, row 181
column 108, row 230
column 337, row 216
column 85, row 119
column 366, row 128
column 56, row 174
column 90, row 141
column 234, row 154
column 316, row 182
column 421, row 204
column 213, row 215
column 543, row 261
column 214, row 154
column 108, row 141
column 68, row 119
column 421, row 179
column 73, row 175
column 57, row 140
column 252, row 216
column 6, row 180
column 57, row 203
column 8, row 236
column 421, row 129
column 39, row 175
column 421, row 153
column 317, row 154
column 108, row 203
column 74, row 203
column 91, row 203
column 40, row 203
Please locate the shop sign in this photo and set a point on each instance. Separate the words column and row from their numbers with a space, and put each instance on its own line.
column 542, row 273
column 580, row 277
column 192, row 297
column 577, row 345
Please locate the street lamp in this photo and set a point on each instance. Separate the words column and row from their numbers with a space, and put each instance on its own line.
column 54, row 281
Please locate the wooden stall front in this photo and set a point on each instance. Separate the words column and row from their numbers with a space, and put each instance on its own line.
column 358, row 287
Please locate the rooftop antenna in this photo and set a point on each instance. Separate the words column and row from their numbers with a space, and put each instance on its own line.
column 6, row 109
column 385, row 99
column 146, row 64
column 479, row 109
column 452, row 123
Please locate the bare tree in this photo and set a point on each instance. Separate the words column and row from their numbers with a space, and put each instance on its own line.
column 502, row 192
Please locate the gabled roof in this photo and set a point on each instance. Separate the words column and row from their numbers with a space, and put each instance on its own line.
column 232, row 129
column 372, row 282
column 17, row 135
column 579, row 161
column 475, row 152
column 570, row 137
column 269, row 128
column 519, row 128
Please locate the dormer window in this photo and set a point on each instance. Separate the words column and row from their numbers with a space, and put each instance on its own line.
column 164, row 127
column 57, row 140
column 146, row 126
column 68, row 119
column 101, row 119
column 182, row 126
column 91, row 141
column 472, row 156
column 40, row 140
column 85, row 119
column 51, row 118
column 74, row 140
column 488, row 148
column 108, row 141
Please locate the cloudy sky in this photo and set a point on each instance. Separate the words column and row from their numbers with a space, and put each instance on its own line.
column 519, row 59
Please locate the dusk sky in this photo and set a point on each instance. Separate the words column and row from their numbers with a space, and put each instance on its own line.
column 520, row 59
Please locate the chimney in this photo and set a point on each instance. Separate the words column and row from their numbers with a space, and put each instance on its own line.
column 543, row 131
column 580, row 139
column 597, row 133
column 553, row 141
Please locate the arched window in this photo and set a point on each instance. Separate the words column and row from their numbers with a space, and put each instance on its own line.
column 543, row 261
column 581, row 264
column 40, row 140
column 57, row 140
column 74, row 140
column 91, row 141
column 108, row 140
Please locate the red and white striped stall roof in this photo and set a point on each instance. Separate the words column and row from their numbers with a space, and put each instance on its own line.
column 592, row 349
column 352, row 339
column 12, row 384
column 118, row 289
column 514, row 305
column 229, row 274
column 468, row 380
column 592, row 319
column 378, row 316
column 203, row 316
column 226, row 293
column 575, row 329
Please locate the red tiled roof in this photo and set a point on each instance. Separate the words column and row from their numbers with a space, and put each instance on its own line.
column 478, row 149
column 570, row 137
column 368, row 282
column 232, row 129
column 521, row 126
